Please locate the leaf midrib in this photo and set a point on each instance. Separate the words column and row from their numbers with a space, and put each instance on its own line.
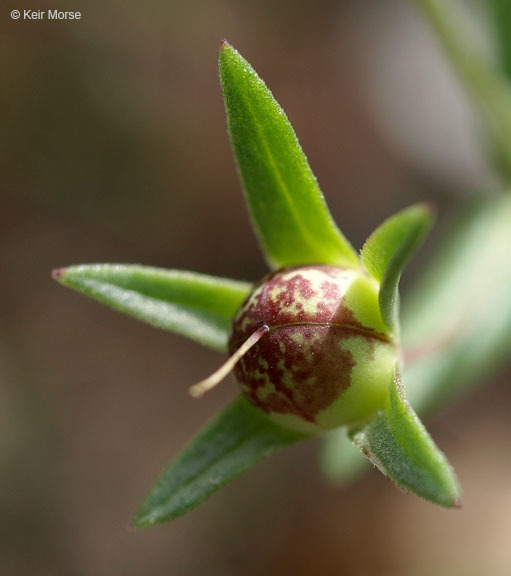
column 203, row 471
column 140, row 293
column 302, row 226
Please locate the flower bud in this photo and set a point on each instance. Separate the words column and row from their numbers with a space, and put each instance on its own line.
column 327, row 357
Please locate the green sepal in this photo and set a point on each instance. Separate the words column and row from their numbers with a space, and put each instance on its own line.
column 195, row 305
column 397, row 443
column 469, row 264
column 234, row 441
column 389, row 248
column 289, row 213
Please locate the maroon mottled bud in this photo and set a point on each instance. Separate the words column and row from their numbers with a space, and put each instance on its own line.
column 327, row 357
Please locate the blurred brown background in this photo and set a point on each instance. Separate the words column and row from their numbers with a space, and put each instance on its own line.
column 114, row 149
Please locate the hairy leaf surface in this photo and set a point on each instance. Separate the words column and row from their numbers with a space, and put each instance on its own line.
column 289, row 213
column 235, row 440
column 195, row 305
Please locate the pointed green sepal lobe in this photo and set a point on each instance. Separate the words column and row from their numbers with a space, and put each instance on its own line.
column 198, row 306
column 234, row 441
column 398, row 444
column 389, row 248
column 288, row 211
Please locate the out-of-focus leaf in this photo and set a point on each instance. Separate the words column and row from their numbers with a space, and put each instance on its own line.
column 489, row 88
column 340, row 460
column 502, row 19
column 456, row 322
column 233, row 442
column 389, row 248
column 194, row 305
column 399, row 445
column 289, row 213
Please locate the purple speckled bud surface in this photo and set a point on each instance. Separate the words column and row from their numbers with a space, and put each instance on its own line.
column 324, row 322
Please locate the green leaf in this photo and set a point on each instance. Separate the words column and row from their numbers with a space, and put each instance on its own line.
column 389, row 248
column 289, row 213
column 340, row 460
column 194, row 305
column 456, row 320
column 399, row 445
column 229, row 445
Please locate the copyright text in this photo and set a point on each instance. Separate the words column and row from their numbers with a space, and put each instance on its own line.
column 45, row 15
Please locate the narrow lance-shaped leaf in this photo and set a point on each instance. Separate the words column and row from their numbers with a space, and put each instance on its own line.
column 399, row 445
column 288, row 210
column 194, row 305
column 233, row 442
column 389, row 248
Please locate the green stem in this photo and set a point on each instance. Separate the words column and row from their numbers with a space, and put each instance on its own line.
column 487, row 86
